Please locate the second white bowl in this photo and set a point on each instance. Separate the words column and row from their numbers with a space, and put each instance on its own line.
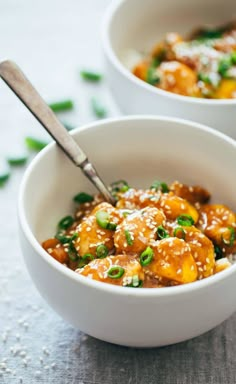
column 138, row 25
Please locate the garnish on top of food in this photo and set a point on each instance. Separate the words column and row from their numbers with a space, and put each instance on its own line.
column 159, row 237
column 202, row 65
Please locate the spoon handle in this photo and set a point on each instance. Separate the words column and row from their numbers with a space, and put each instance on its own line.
column 21, row 86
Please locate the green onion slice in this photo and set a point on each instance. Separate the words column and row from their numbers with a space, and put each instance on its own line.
column 162, row 233
column 97, row 107
column 83, row 197
column 204, row 77
column 91, row 75
column 153, row 77
column 185, row 220
column 101, row 251
column 228, row 240
column 72, row 252
column 128, row 237
column 159, row 185
column 136, row 283
column 103, row 218
column 146, row 257
column 15, row 161
column 66, row 222
column 3, row 178
column 218, row 252
column 180, row 233
column 62, row 105
column 34, row 144
column 62, row 237
column 119, row 186
column 116, row 272
column 85, row 260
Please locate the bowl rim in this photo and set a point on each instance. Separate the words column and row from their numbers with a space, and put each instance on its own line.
column 109, row 14
column 109, row 288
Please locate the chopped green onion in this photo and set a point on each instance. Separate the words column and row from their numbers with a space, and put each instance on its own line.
column 116, row 272
column 62, row 237
column 91, row 75
column 162, row 233
column 218, row 252
column 229, row 240
column 233, row 57
column 98, row 109
column 224, row 65
column 101, row 251
column 83, row 197
column 180, row 233
column 136, row 283
column 103, row 218
column 63, row 105
column 15, row 161
column 159, row 185
column 204, row 77
column 72, row 252
column 152, row 76
column 185, row 220
column 119, row 186
column 3, row 178
column 85, row 260
column 66, row 222
column 146, row 257
column 34, row 144
column 210, row 34
column 126, row 213
column 128, row 238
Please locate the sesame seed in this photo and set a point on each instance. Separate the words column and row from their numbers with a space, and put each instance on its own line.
column 179, row 271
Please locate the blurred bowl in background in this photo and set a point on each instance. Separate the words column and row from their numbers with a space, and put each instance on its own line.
column 132, row 26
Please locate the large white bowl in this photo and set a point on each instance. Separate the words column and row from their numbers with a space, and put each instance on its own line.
column 138, row 149
column 138, row 25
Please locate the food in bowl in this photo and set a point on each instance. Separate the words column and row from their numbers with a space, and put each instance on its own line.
column 159, row 237
column 202, row 65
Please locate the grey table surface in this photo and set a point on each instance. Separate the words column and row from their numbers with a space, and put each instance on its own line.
column 52, row 40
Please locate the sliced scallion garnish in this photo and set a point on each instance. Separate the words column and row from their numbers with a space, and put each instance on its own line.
column 180, row 233
column 34, row 144
column 162, row 233
column 83, row 197
column 218, row 252
column 159, row 185
column 17, row 161
column 228, row 236
column 98, row 108
column 3, row 178
column 146, row 257
column 103, row 220
column 62, row 105
column 185, row 220
column 128, row 237
column 116, row 272
column 204, row 77
column 90, row 75
column 66, row 222
column 101, row 251
column 136, row 283
column 85, row 260
column 153, row 77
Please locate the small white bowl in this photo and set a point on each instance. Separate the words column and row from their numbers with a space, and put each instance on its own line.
column 137, row 25
column 138, row 149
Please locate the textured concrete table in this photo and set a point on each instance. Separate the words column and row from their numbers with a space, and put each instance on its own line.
column 51, row 40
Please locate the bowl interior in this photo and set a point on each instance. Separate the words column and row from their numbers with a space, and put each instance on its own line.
column 139, row 150
column 137, row 25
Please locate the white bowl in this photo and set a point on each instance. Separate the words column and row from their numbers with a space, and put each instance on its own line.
column 138, row 25
column 138, row 149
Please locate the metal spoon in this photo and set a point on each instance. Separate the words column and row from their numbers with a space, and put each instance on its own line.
column 21, row 86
